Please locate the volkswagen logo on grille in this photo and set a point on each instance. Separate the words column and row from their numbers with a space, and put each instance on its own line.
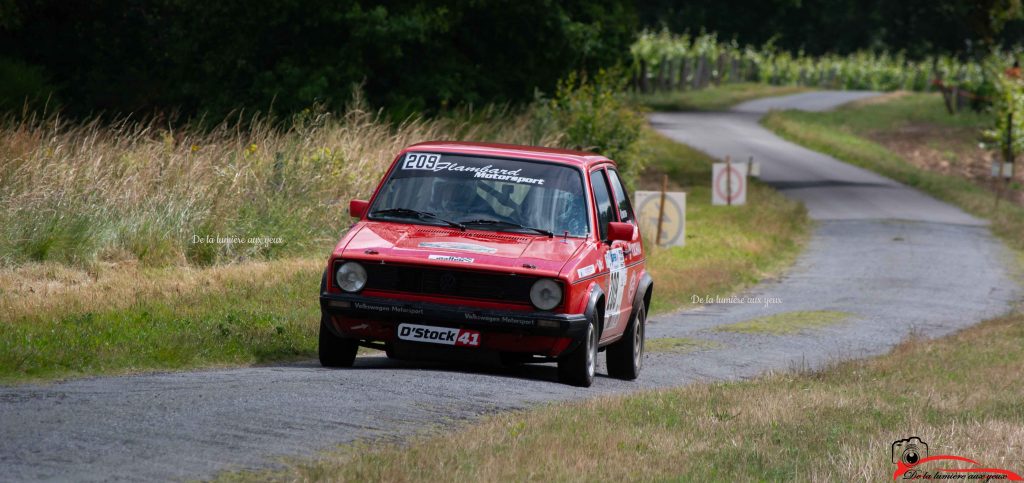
column 447, row 282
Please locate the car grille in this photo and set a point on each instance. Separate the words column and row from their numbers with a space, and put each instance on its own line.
column 453, row 283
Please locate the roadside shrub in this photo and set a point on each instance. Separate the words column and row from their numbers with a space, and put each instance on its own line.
column 593, row 115
column 1007, row 132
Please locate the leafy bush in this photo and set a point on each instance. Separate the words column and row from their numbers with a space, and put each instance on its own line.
column 593, row 115
column 1007, row 132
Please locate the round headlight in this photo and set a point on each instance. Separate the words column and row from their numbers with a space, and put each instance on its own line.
column 350, row 277
column 546, row 294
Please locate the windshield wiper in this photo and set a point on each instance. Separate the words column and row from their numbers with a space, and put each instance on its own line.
column 423, row 215
column 508, row 223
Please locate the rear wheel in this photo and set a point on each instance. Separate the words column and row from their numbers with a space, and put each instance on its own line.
column 627, row 354
column 335, row 351
column 577, row 368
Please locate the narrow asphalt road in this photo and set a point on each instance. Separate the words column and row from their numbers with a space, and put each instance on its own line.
column 895, row 259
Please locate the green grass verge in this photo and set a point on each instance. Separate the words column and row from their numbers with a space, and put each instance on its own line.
column 679, row 345
column 955, row 393
column 236, row 320
column 714, row 98
column 787, row 322
column 844, row 133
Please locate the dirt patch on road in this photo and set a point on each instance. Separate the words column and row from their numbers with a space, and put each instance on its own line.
column 947, row 150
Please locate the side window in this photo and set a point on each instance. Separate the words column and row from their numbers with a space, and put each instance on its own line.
column 625, row 208
column 605, row 210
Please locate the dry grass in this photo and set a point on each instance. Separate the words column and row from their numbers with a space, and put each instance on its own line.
column 141, row 191
column 961, row 394
column 51, row 290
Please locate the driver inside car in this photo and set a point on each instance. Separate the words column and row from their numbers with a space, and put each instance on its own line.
column 460, row 196
column 573, row 215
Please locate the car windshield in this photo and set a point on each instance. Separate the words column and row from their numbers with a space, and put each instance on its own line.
column 484, row 193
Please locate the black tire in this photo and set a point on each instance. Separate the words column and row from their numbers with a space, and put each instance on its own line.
column 335, row 351
column 577, row 367
column 626, row 356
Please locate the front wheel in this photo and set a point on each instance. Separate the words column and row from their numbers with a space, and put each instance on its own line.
column 577, row 368
column 627, row 354
column 335, row 351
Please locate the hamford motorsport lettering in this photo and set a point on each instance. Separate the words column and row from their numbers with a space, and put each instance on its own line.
column 527, row 253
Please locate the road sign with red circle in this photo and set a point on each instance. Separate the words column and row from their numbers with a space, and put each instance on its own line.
column 729, row 184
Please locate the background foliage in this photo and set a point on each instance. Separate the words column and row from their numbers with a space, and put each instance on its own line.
column 667, row 61
column 198, row 57
column 917, row 27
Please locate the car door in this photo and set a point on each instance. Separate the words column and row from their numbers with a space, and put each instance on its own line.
column 612, row 261
column 633, row 251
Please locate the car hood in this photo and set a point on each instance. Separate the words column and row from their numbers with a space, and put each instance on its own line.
column 473, row 249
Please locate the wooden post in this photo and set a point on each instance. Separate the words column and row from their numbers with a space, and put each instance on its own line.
column 728, row 181
column 661, row 208
column 1007, row 159
column 750, row 167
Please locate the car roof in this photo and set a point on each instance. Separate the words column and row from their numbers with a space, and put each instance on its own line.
column 564, row 156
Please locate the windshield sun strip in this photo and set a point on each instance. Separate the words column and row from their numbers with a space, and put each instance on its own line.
column 580, row 171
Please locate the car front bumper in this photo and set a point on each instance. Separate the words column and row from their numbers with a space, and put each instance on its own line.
column 377, row 319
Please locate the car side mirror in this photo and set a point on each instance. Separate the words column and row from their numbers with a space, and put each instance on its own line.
column 621, row 231
column 357, row 208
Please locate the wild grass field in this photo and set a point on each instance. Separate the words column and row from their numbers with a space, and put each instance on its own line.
column 146, row 192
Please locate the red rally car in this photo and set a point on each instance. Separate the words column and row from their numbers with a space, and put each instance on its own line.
column 528, row 252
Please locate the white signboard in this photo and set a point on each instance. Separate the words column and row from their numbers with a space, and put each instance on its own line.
column 673, row 224
column 729, row 186
column 1001, row 169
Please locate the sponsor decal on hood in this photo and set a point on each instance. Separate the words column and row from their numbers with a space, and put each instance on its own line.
column 464, row 247
column 449, row 258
